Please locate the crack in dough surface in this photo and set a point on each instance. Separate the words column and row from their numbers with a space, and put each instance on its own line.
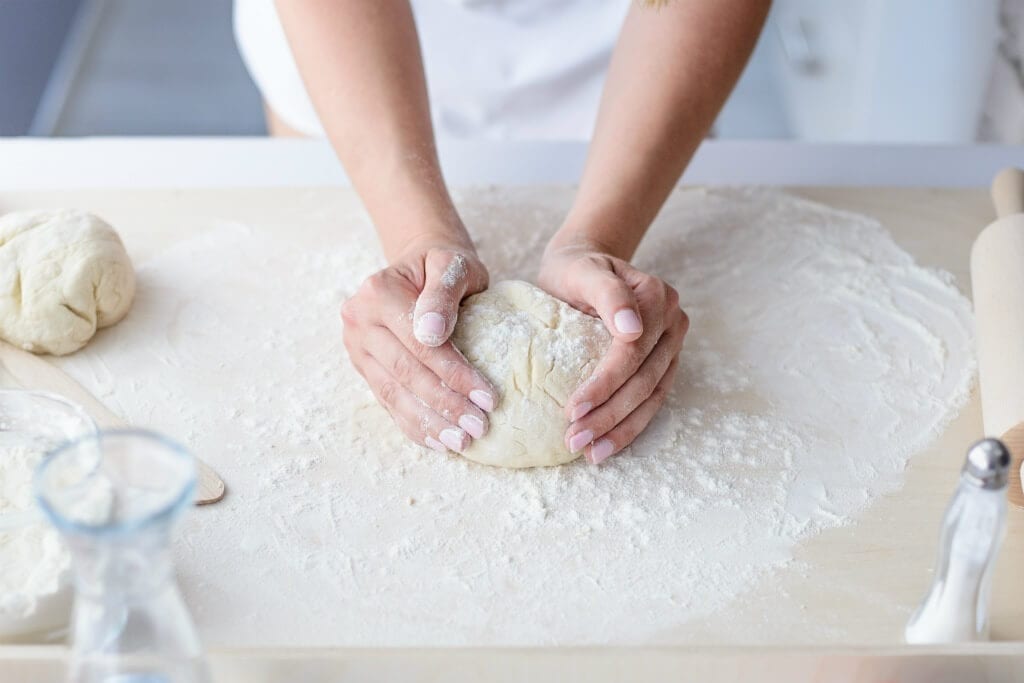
column 535, row 350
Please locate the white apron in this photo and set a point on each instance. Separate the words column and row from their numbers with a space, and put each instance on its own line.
column 496, row 69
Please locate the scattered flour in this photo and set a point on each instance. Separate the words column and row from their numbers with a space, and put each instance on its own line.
column 34, row 564
column 805, row 321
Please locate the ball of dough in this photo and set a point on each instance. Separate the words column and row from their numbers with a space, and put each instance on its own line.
column 63, row 275
column 535, row 350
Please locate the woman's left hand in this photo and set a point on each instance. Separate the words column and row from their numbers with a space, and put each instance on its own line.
column 630, row 383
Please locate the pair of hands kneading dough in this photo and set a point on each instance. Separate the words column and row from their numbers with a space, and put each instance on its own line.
column 63, row 275
column 535, row 350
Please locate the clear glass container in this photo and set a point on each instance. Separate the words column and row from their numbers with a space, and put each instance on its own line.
column 33, row 423
column 115, row 498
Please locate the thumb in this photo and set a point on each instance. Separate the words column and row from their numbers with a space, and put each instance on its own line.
column 611, row 296
column 437, row 307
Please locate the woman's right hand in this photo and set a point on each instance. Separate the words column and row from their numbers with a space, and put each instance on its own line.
column 397, row 328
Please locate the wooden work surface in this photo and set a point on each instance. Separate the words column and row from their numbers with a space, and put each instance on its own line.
column 853, row 586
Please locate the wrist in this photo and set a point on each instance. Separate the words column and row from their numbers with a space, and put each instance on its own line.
column 575, row 238
column 426, row 236
column 420, row 223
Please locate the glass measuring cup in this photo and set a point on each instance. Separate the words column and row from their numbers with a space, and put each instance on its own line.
column 115, row 497
column 36, row 563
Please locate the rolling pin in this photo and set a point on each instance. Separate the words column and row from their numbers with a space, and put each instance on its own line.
column 997, row 279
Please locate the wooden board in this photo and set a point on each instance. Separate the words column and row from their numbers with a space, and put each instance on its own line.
column 853, row 586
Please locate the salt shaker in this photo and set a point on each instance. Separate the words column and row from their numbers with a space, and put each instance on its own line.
column 956, row 608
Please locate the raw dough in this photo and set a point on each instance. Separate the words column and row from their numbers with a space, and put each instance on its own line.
column 535, row 350
column 63, row 275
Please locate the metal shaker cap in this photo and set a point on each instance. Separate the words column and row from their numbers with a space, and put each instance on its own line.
column 987, row 464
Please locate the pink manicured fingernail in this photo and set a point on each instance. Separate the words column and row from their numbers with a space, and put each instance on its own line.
column 472, row 424
column 600, row 451
column 581, row 410
column 429, row 328
column 579, row 441
column 627, row 322
column 482, row 400
column 453, row 438
column 435, row 444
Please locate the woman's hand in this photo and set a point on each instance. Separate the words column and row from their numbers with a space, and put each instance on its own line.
column 396, row 330
column 647, row 326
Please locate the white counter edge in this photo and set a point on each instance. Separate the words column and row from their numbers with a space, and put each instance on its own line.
column 65, row 163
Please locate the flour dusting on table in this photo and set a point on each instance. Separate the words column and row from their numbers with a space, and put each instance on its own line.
column 337, row 532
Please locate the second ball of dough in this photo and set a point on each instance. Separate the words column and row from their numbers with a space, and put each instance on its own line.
column 535, row 350
column 63, row 274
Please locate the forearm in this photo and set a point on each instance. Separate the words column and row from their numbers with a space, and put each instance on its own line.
column 362, row 66
column 671, row 72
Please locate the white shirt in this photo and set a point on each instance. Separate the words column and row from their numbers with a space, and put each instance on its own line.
column 496, row 69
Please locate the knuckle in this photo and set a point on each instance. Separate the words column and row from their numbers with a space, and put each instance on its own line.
column 615, row 286
column 444, row 260
column 650, row 289
column 455, row 375
column 453, row 407
column 438, row 255
column 646, row 386
column 627, row 436
column 595, row 389
column 605, row 422
column 638, row 353
column 401, row 368
column 684, row 321
column 659, row 392
column 671, row 297
column 350, row 312
column 376, row 284
column 387, row 392
column 622, row 436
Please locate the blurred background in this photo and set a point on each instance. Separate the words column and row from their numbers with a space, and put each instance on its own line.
column 915, row 71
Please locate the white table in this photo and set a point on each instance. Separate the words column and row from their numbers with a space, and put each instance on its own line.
column 29, row 163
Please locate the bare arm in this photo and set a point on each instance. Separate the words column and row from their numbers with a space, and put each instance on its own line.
column 362, row 67
column 360, row 60
column 672, row 69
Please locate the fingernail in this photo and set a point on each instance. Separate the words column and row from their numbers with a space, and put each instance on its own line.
column 627, row 322
column 600, row 451
column 435, row 444
column 472, row 424
column 453, row 438
column 581, row 410
column 579, row 441
column 482, row 399
column 429, row 328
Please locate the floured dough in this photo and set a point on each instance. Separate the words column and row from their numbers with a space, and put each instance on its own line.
column 535, row 350
column 63, row 275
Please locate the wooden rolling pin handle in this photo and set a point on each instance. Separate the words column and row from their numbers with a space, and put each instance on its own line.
column 1014, row 442
column 997, row 273
column 1008, row 192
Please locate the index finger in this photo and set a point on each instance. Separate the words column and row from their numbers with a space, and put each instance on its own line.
column 618, row 364
column 445, row 361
